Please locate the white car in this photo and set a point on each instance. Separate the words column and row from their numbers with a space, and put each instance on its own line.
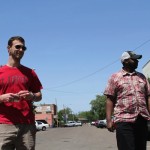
column 78, row 123
column 70, row 124
column 41, row 126
column 93, row 123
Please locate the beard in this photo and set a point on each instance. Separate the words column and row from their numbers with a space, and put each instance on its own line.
column 132, row 66
column 16, row 55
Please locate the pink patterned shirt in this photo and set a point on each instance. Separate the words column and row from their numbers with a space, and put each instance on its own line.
column 130, row 92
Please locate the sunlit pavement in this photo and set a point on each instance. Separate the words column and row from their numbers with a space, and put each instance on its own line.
column 77, row 138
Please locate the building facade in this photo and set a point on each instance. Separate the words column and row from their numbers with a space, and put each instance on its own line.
column 46, row 112
column 146, row 69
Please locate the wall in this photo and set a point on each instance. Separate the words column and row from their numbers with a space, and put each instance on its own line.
column 146, row 69
column 46, row 112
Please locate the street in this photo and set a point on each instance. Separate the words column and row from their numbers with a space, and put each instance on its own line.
column 77, row 138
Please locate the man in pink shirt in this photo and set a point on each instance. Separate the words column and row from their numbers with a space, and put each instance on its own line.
column 19, row 88
column 128, row 99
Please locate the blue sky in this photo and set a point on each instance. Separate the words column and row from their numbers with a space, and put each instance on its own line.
column 75, row 45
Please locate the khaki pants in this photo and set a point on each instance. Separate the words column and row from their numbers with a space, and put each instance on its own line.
column 17, row 137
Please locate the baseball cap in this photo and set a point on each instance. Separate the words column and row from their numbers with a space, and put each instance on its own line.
column 130, row 54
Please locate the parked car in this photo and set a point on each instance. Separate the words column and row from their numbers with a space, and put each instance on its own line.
column 78, row 123
column 101, row 124
column 42, row 120
column 93, row 123
column 96, row 123
column 41, row 126
column 70, row 124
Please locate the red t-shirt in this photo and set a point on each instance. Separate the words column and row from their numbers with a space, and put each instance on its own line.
column 13, row 80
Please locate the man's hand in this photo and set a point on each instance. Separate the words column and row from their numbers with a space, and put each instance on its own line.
column 9, row 97
column 110, row 126
column 26, row 95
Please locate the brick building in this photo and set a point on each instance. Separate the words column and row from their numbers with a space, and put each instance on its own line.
column 46, row 112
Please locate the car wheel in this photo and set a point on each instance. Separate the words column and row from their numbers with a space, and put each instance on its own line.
column 43, row 128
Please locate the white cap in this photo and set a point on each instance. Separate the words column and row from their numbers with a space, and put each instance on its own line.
column 130, row 54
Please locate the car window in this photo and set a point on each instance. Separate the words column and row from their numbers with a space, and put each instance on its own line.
column 39, row 122
column 44, row 121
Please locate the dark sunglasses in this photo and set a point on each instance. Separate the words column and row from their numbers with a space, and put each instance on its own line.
column 20, row 46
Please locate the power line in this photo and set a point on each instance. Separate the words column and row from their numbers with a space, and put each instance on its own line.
column 84, row 77
column 68, row 92
column 141, row 45
column 91, row 74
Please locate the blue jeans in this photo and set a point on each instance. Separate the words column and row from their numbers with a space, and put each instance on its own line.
column 132, row 136
column 17, row 137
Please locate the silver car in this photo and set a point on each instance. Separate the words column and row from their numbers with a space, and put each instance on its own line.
column 70, row 124
column 41, row 126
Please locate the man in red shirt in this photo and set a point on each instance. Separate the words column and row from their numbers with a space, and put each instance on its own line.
column 128, row 99
column 19, row 88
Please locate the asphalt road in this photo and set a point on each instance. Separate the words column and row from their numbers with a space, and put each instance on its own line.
column 77, row 138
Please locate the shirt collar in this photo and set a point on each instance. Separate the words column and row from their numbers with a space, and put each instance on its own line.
column 125, row 73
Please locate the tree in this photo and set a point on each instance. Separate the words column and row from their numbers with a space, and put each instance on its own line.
column 66, row 114
column 97, row 111
column 98, row 106
column 87, row 115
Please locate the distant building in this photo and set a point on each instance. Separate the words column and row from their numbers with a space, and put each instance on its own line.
column 46, row 112
column 83, row 120
column 146, row 69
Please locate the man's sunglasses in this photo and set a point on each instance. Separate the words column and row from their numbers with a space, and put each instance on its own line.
column 20, row 47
